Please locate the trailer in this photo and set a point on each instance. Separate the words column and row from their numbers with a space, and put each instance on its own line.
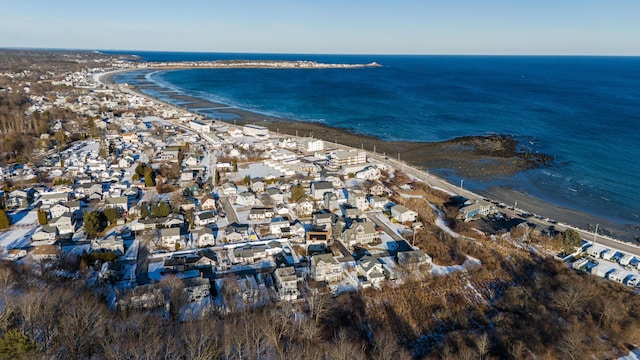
column 596, row 251
column 626, row 260
column 631, row 280
column 579, row 265
column 617, row 275
column 608, row 255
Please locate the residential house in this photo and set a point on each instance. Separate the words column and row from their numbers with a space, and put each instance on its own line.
column 371, row 269
column 246, row 198
column 402, row 214
column 323, row 220
column 304, row 207
column 368, row 173
column 205, row 218
column 236, row 232
column 20, row 198
column 276, row 195
column 52, row 198
column 207, row 202
column 257, row 185
column 173, row 237
column 75, row 208
column 249, row 254
column 286, row 281
column 205, row 237
column 357, row 199
column 319, row 188
column 378, row 202
column 317, row 241
column 413, row 259
column 57, row 210
column 64, row 223
column 277, row 225
column 45, row 252
column 197, row 288
column 331, row 201
column 359, row 233
column 324, row 267
column 118, row 202
column 113, row 244
column 376, row 189
column 260, row 213
column 229, row 189
column 470, row 212
column 46, row 235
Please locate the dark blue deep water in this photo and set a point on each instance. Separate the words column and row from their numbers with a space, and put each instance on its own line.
column 585, row 111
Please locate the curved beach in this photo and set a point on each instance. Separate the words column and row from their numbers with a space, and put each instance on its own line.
column 470, row 157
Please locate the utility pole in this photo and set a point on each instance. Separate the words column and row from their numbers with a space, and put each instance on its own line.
column 595, row 235
column 461, row 183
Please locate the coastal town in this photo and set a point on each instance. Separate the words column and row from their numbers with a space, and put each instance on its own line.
column 238, row 216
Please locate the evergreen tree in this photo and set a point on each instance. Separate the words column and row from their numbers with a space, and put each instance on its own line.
column 4, row 220
column 149, row 180
column 141, row 169
column 94, row 222
column 112, row 215
column 571, row 240
column 42, row 217
column 235, row 165
column 297, row 192
column 15, row 344
column 217, row 177
column 144, row 210
column 160, row 210
column 247, row 180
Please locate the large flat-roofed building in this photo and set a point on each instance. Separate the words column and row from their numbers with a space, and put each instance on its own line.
column 255, row 130
column 310, row 145
column 200, row 126
column 347, row 158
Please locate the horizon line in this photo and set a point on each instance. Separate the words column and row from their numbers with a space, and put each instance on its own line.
column 316, row 53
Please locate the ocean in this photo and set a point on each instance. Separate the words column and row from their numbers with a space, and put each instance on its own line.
column 584, row 111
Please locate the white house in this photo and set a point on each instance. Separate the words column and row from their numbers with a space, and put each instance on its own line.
column 325, row 267
column 402, row 214
column 205, row 218
column 359, row 233
column 371, row 269
column 205, row 237
column 173, row 237
column 207, row 203
column 286, row 282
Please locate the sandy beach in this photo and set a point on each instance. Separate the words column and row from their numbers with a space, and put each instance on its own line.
column 475, row 157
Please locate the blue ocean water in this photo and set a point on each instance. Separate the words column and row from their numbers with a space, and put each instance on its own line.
column 585, row 111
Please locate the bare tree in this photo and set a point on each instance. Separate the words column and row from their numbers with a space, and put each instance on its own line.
column 318, row 305
column 82, row 323
column 201, row 340
column 386, row 347
column 345, row 348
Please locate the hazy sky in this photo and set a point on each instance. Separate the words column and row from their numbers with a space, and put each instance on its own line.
column 328, row 26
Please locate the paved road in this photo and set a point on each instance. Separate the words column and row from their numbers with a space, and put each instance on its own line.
column 142, row 265
column 394, row 235
column 232, row 217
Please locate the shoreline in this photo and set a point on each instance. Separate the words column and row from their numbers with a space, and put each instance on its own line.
column 426, row 156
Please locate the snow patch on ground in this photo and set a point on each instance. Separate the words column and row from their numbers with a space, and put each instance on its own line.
column 445, row 270
column 255, row 170
column 407, row 196
column 442, row 224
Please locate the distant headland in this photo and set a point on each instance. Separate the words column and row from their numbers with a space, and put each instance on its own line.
column 258, row 64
